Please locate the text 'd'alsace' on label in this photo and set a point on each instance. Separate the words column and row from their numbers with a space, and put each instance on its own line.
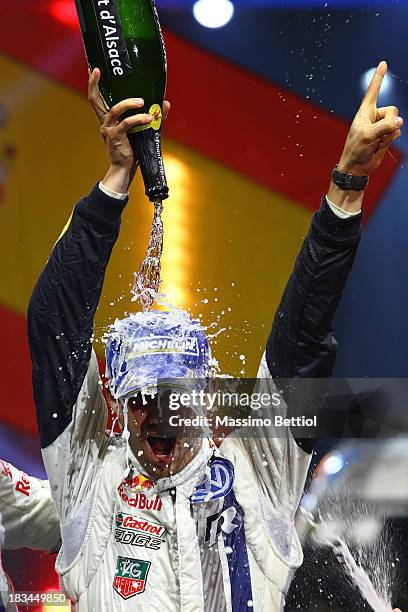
column 112, row 38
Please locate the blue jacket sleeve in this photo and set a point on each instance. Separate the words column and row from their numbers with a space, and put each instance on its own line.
column 301, row 343
column 62, row 309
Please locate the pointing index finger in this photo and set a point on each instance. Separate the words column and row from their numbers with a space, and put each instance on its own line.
column 374, row 87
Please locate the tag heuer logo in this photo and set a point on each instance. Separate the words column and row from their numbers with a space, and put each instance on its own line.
column 131, row 577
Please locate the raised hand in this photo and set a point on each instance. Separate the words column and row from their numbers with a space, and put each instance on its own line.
column 114, row 131
column 372, row 131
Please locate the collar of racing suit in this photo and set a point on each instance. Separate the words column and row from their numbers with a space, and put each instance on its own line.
column 193, row 470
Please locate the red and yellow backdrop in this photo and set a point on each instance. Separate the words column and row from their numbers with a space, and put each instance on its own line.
column 247, row 163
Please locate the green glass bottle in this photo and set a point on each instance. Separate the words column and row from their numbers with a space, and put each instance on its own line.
column 123, row 38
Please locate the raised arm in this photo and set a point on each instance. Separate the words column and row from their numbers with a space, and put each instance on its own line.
column 70, row 407
column 63, row 304
column 301, row 344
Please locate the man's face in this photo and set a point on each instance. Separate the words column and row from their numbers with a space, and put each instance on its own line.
column 162, row 449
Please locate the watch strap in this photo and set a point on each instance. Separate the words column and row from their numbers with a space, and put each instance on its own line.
column 349, row 182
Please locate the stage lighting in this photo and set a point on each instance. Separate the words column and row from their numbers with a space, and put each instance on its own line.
column 368, row 75
column 333, row 463
column 64, row 12
column 213, row 13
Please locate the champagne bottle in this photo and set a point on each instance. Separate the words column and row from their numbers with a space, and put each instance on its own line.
column 123, row 39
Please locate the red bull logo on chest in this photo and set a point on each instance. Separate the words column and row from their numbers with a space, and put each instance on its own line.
column 131, row 493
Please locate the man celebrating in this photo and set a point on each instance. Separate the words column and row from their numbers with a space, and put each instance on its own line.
column 28, row 519
column 161, row 523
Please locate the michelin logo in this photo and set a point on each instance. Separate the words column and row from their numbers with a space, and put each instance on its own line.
column 165, row 344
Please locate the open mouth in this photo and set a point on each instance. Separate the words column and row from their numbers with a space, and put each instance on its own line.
column 161, row 448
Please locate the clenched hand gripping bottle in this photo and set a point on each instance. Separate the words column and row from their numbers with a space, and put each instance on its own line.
column 123, row 39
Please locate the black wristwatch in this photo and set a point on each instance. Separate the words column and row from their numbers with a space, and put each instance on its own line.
column 349, row 182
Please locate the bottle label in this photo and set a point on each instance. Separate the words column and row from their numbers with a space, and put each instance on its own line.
column 156, row 112
column 112, row 38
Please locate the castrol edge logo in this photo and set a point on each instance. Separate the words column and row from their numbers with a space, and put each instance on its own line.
column 165, row 344
column 135, row 523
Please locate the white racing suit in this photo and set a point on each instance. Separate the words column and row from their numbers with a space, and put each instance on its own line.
column 28, row 518
column 4, row 582
column 219, row 536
